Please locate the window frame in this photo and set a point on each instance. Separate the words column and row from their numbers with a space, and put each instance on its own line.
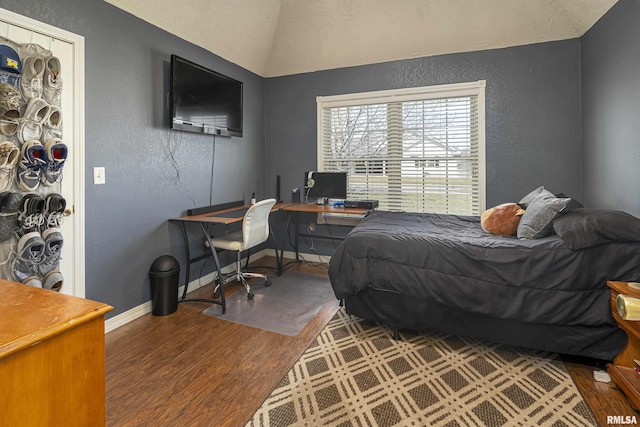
column 475, row 88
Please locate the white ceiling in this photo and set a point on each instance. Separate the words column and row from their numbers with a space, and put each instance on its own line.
column 282, row 37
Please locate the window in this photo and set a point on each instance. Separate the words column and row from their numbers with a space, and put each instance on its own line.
column 414, row 150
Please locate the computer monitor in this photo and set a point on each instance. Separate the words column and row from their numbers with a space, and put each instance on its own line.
column 325, row 184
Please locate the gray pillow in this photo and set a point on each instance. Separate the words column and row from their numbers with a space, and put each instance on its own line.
column 537, row 221
column 584, row 228
column 526, row 200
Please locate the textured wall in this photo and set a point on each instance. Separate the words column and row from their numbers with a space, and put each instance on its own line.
column 611, row 104
column 532, row 113
column 152, row 174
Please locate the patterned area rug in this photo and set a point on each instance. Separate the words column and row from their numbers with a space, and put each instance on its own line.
column 356, row 374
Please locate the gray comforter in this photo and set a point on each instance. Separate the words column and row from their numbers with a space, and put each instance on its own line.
column 451, row 261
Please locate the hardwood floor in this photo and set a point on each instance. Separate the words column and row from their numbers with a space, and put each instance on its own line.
column 189, row 369
column 196, row 370
column 604, row 399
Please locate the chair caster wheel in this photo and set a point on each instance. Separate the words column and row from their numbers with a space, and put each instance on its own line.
column 267, row 283
column 250, row 295
column 216, row 293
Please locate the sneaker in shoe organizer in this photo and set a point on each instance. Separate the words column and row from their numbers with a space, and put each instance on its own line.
column 52, row 80
column 52, row 125
column 56, row 152
column 35, row 114
column 29, row 255
column 40, row 240
column 31, row 79
column 53, row 211
column 33, row 162
column 10, row 202
column 10, row 98
column 30, row 214
column 49, row 267
column 49, row 74
column 9, row 154
column 9, row 120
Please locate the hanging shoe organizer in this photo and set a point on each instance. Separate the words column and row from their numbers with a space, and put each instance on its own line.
column 32, row 156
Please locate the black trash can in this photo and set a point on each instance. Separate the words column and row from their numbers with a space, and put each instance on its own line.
column 164, row 275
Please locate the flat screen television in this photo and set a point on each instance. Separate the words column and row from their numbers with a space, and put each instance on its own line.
column 204, row 101
column 326, row 184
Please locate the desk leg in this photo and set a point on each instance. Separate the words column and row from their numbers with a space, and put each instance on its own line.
column 296, row 226
column 219, row 271
column 287, row 225
column 283, row 240
column 187, row 259
column 278, row 255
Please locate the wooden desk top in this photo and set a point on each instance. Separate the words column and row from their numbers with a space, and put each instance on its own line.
column 31, row 315
column 211, row 217
column 315, row 208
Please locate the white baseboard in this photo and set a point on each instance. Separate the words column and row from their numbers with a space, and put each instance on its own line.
column 139, row 311
column 126, row 317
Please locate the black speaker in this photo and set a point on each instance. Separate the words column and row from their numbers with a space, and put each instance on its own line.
column 278, row 199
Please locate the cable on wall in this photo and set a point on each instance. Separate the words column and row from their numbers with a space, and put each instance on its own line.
column 172, row 148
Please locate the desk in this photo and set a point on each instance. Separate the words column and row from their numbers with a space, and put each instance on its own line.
column 233, row 212
column 227, row 213
column 297, row 208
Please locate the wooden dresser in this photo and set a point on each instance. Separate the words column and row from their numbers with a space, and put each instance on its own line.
column 52, row 358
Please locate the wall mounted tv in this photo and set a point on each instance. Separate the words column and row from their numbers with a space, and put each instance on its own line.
column 204, row 101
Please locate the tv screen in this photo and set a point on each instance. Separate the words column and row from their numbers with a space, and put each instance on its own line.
column 326, row 184
column 203, row 100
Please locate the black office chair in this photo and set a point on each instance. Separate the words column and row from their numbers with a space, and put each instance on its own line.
column 255, row 230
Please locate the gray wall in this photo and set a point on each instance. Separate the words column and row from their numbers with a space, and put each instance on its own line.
column 152, row 173
column 532, row 113
column 611, row 109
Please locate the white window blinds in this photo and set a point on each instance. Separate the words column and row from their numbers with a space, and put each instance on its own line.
column 414, row 150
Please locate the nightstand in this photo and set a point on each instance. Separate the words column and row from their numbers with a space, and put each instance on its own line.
column 621, row 370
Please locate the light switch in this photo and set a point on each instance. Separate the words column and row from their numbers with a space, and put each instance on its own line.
column 98, row 175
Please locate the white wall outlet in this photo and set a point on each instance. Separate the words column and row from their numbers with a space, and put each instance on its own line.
column 98, row 175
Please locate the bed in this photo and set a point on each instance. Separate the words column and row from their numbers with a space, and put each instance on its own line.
column 446, row 274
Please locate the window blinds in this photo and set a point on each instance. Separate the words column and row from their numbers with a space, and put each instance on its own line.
column 413, row 150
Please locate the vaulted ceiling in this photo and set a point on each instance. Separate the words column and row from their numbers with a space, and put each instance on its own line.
column 282, row 37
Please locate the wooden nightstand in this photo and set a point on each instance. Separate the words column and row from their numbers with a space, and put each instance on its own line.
column 621, row 370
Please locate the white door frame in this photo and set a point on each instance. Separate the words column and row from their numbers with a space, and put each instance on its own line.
column 77, row 186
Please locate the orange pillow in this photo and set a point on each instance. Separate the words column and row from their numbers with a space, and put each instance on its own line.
column 502, row 219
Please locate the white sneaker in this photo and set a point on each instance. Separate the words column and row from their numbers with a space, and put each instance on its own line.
column 52, row 126
column 52, row 80
column 9, row 120
column 35, row 114
column 9, row 154
column 37, row 110
column 31, row 78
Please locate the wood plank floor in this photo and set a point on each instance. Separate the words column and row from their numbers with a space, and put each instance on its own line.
column 190, row 369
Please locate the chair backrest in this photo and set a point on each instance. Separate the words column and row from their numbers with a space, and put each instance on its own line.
column 255, row 226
